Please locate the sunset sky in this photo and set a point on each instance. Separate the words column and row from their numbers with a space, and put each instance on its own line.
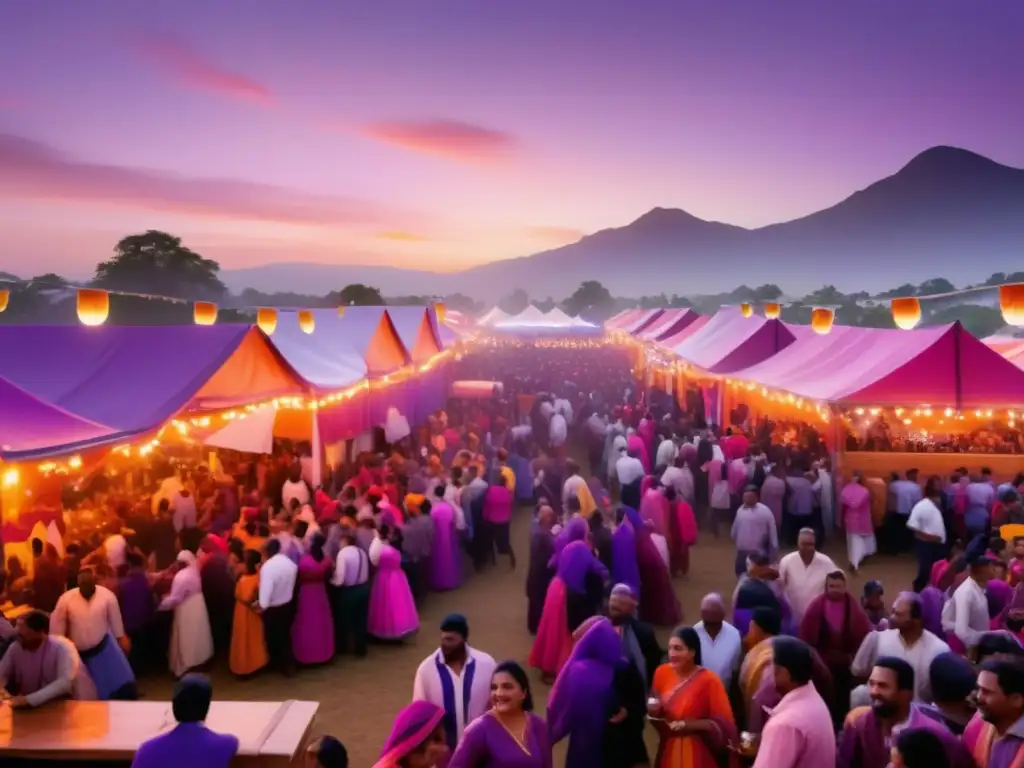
column 445, row 133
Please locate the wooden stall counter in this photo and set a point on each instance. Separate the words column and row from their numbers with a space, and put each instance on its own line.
column 880, row 463
column 270, row 734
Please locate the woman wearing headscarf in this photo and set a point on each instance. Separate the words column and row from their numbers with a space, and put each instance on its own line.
column 191, row 639
column 445, row 552
column 313, row 625
column 658, row 601
column 417, row 739
column 598, row 692
column 570, row 599
column 625, row 569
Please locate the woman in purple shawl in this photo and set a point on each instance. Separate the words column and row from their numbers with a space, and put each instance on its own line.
column 417, row 739
column 446, row 551
column 598, row 692
column 932, row 602
column 625, row 569
column 658, row 602
column 575, row 530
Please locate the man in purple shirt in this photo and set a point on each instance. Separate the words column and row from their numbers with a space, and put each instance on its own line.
column 753, row 530
column 896, row 537
column 800, row 510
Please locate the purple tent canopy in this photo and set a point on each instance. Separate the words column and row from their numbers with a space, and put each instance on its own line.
column 135, row 378
column 33, row 429
column 729, row 342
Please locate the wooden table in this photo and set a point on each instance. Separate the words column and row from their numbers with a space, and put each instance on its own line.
column 270, row 733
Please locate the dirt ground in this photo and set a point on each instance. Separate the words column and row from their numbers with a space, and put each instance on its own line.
column 359, row 698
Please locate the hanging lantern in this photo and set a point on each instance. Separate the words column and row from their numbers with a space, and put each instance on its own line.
column 266, row 319
column 306, row 320
column 93, row 306
column 440, row 312
column 5, row 298
column 821, row 319
column 906, row 312
column 341, row 312
column 772, row 310
column 1011, row 301
column 746, row 309
column 204, row 312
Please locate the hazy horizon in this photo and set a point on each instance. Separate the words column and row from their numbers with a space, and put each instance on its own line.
column 347, row 135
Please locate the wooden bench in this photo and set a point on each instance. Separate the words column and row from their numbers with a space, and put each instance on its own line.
column 270, row 733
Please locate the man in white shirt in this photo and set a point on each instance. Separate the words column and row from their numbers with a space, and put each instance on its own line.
column 572, row 483
column 294, row 488
column 456, row 678
column 720, row 641
column 930, row 533
column 183, row 505
column 90, row 617
column 350, row 594
column 277, row 587
column 666, row 454
column 558, row 431
column 803, row 573
column 966, row 614
column 906, row 639
column 680, row 477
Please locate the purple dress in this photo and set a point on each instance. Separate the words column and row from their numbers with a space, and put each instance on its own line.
column 313, row 628
column 445, row 556
column 487, row 744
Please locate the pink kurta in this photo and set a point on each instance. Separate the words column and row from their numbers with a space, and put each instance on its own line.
column 799, row 733
column 855, row 506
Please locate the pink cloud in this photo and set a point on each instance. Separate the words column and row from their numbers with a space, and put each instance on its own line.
column 403, row 237
column 189, row 67
column 453, row 139
column 31, row 170
column 557, row 235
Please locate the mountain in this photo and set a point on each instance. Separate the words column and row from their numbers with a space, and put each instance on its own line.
column 948, row 212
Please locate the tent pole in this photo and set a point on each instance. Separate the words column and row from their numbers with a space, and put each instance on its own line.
column 956, row 364
column 318, row 452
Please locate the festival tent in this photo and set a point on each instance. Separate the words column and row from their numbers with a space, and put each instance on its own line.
column 529, row 316
column 642, row 321
column 940, row 366
column 557, row 317
column 677, row 338
column 493, row 316
column 135, row 378
column 417, row 331
column 671, row 322
column 1008, row 346
column 579, row 322
column 729, row 341
column 618, row 322
column 33, row 429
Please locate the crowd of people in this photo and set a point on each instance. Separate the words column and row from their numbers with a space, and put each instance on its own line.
column 791, row 670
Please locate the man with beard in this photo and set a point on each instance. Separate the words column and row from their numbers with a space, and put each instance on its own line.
column 869, row 732
column 995, row 736
column 38, row 668
column 639, row 643
column 456, row 678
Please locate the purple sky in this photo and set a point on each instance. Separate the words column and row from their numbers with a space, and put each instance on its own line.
column 447, row 133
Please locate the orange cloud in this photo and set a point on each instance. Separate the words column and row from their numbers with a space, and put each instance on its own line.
column 405, row 237
column 455, row 140
column 32, row 170
column 558, row 235
column 193, row 70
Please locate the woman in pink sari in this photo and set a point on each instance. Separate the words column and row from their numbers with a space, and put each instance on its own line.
column 654, row 508
column 636, row 447
column 682, row 532
column 855, row 517
column 417, row 739
column 313, row 626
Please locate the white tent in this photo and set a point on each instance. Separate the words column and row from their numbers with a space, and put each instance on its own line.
column 250, row 433
column 529, row 316
column 579, row 322
column 493, row 316
column 557, row 317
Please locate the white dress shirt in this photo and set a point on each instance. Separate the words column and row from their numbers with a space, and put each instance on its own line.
column 277, row 581
column 926, row 518
column 291, row 491
column 889, row 642
column 428, row 685
column 351, row 568
column 802, row 583
column 86, row 622
column 666, row 454
column 966, row 615
column 116, row 549
column 629, row 470
column 374, row 551
column 558, row 430
column 720, row 653
column 570, row 488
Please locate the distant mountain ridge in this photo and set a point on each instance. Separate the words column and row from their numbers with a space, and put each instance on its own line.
column 948, row 212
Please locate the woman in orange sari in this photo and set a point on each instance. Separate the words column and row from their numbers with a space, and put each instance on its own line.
column 690, row 709
column 248, row 649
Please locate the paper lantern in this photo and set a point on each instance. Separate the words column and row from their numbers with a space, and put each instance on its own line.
column 306, row 320
column 204, row 312
column 93, row 306
column 821, row 319
column 772, row 310
column 5, row 298
column 906, row 312
column 746, row 309
column 1011, row 301
column 341, row 312
column 439, row 311
column 266, row 319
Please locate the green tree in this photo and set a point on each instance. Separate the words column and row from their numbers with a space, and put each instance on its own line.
column 767, row 292
column 827, row 295
column 907, row 289
column 978, row 321
column 157, row 263
column 935, row 286
column 999, row 278
column 462, row 303
column 515, row 302
column 358, row 295
column 591, row 299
